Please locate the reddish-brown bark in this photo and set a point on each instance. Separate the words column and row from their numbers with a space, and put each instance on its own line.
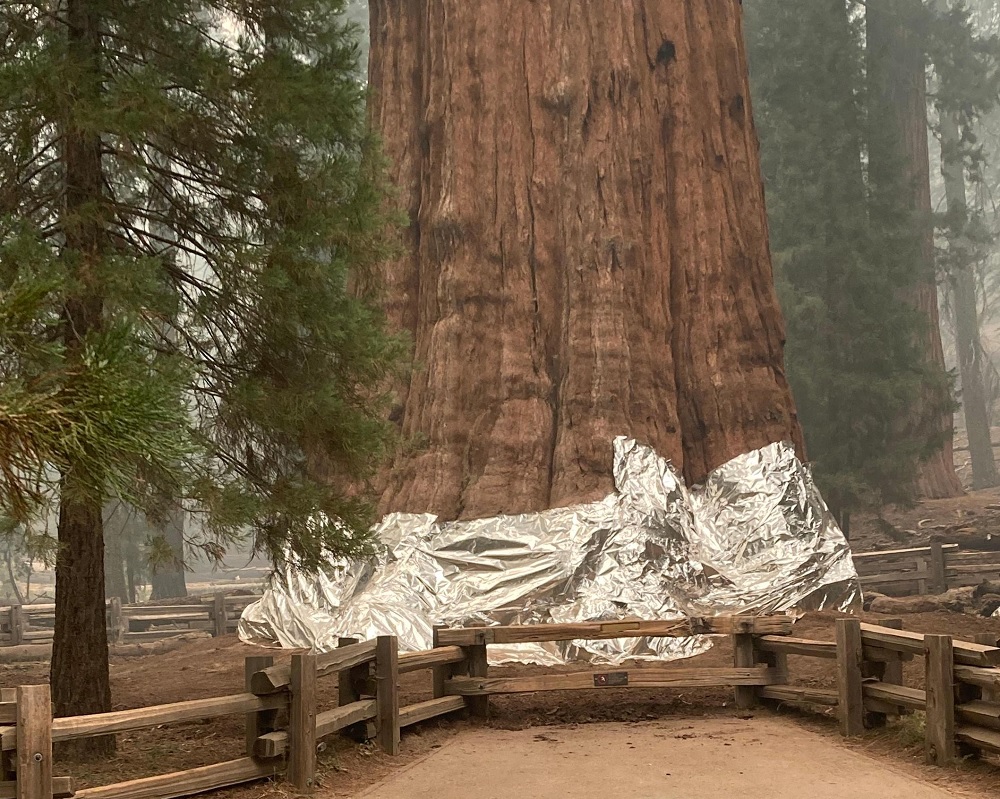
column 587, row 254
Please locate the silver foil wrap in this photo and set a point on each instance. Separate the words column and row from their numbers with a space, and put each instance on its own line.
column 755, row 538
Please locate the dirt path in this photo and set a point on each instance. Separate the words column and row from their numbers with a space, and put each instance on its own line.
column 682, row 758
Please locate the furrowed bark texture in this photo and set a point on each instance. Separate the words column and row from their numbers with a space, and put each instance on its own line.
column 587, row 253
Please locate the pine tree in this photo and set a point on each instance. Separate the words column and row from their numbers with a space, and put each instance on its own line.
column 190, row 220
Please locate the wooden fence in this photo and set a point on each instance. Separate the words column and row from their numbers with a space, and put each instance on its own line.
column 218, row 614
column 368, row 675
column 961, row 696
column 925, row 570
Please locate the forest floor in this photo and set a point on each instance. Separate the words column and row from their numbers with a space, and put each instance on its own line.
column 702, row 758
column 972, row 520
column 214, row 667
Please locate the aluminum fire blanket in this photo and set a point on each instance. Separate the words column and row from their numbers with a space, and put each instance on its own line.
column 757, row 537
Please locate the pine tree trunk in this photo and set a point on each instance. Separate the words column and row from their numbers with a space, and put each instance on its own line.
column 114, row 555
column 900, row 165
column 967, row 342
column 587, row 255
column 79, row 670
column 168, row 579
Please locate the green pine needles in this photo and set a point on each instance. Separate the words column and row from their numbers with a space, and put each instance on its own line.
column 192, row 218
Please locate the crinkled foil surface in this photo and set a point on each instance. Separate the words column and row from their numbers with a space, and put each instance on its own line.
column 756, row 538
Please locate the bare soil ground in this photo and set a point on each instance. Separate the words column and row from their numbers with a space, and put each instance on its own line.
column 972, row 520
column 214, row 667
column 677, row 757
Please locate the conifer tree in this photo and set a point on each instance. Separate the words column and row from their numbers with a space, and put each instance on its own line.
column 854, row 360
column 189, row 225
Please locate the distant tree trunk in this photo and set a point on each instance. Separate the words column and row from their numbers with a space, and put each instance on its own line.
column 900, row 167
column 168, row 579
column 79, row 669
column 133, row 570
column 963, row 283
column 587, row 254
column 114, row 555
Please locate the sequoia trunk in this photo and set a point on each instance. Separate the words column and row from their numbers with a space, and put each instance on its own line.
column 900, row 167
column 587, row 252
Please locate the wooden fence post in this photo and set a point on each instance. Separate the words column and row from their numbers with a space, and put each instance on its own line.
column 939, row 576
column 989, row 639
column 439, row 673
column 940, row 685
column 34, row 742
column 219, row 615
column 743, row 658
column 351, row 684
column 302, row 724
column 260, row 722
column 17, row 625
column 476, row 664
column 850, row 654
column 893, row 672
column 387, row 692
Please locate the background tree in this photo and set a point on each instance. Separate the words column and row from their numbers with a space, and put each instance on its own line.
column 235, row 377
column 587, row 229
column 899, row 174
column 23, row 549
column 842, row 102
column 966, row 86
column 852, row 352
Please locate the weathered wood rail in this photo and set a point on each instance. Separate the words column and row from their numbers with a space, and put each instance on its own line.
column 368, row 706
column 961, row 693
column 925, row 570
column 218, row 614
column 961, row 696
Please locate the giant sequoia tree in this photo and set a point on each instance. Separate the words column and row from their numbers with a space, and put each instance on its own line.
column 587, row 253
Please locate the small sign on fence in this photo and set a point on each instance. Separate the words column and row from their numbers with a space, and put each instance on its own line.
column 611, row 679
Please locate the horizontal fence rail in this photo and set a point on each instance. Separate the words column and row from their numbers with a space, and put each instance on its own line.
column 284, row 721
column 960, row 697
column 591, row 631
column 368, row 707
column 218, row 614
column 925, row 570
